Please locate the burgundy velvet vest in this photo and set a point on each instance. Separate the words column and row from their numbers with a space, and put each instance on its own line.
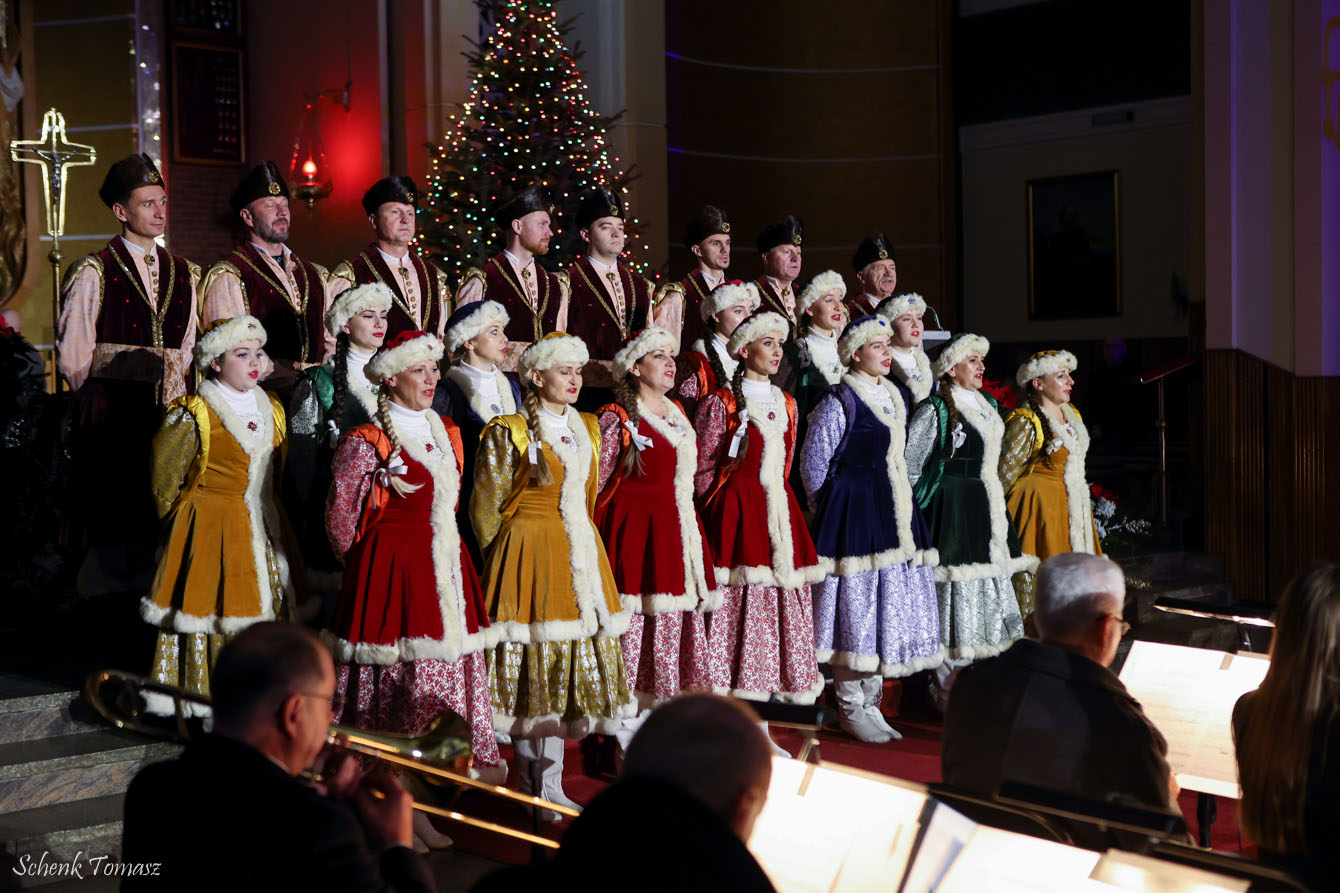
column 695, row 292
column 126, row 317
column 293, row 335
column 591, row 309
column 525, row 324
column 771, row 301
column 370, row 266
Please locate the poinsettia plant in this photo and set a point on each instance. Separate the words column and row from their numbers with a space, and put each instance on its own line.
column 1004, row 394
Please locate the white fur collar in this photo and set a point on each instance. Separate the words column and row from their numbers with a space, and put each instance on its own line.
column 728, row 363
column 1079, row 505
column 921, row 386
column 506, row 399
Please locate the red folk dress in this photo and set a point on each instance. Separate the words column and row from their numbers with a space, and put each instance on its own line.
column 658, row 551
column 761, row 637
column 410, row 629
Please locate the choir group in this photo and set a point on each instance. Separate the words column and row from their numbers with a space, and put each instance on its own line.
column 801, row 487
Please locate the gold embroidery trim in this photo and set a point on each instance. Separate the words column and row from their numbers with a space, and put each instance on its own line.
column 156, row 316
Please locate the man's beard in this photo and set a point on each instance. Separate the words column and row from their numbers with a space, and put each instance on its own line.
column 539, row 247
column 269, row 234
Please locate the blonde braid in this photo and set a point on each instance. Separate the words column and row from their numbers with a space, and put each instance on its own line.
column 737, row 388
column 540, row 474
column 625, row 394
column 398, row 484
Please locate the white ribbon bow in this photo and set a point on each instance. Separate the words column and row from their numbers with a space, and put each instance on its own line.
column 640, row 441
column 533, row 453
column 1054, row 444
column 384, row 473
column 334, row 430
column 959, row 435
column 739, row 434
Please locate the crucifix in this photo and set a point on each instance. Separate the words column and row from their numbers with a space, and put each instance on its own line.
column 56, row 155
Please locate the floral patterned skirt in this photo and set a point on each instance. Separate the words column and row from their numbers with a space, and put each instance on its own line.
column 761, row 644
column 666, row 655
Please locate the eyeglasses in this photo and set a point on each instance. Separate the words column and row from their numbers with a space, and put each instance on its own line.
column 1125, row 627
column 329, row 699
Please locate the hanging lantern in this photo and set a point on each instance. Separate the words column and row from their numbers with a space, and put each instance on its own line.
column 308, row 172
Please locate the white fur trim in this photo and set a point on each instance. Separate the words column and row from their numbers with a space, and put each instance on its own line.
column 488, row 313
column 895, row 306
column 809, row 696
column 825, row 282
column 353, row 301
column 506, row 399
column 393, row 360
column 978, row 652
column 1079, row 504
column 855, row 336
column 756, row 327
column 728, row 363
column 992, row 430
column 920, row 388
column 730, row 295
column 871, row 663
column 222, row 337
column 697, row 594
column 957, row 350
column 552, row 350
column 446, row 551
column 639, row 346
column 159, row 704
column 1045, row 362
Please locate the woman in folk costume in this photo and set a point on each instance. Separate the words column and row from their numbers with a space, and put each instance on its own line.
column 229, row 557
column 762, row 635
column 1042, row 467
column 875, row 615
column 328, row 400
column 953, row 450
column 475, row 390
column 559, row 672
column 646, row 517
column 708, row 365
column 911, row 369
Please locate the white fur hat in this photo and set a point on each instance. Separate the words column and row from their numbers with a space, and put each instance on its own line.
column 828, row 280
column 637, row 347
column 470, row 320
column 958, row 348
column 760, row 323
column 353, row 301
column 550, row 351
column 730, row 294
column 858, row 332
column 223, row 335
column 407, row 349
column 895, row 306
column 1045, row 362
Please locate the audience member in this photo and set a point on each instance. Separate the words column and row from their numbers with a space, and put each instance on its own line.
column 1287, row 734
column 1050, row 713
column 230, row 814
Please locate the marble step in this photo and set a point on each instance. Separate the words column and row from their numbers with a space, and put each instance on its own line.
column 73, row 767
column 46, row 716
column 65, row 841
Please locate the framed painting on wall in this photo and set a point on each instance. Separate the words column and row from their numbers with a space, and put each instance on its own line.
column 1074, row 246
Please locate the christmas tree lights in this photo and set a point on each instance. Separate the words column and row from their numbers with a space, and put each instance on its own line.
column 527, row 121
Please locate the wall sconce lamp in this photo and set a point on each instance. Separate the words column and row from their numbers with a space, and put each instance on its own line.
column 308, row 171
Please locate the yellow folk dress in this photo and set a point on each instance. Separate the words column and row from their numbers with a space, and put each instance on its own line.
column 1046, row 492
column 225, row 559
column 547, row 584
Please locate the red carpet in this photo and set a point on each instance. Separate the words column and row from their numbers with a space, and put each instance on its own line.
column 915, row 758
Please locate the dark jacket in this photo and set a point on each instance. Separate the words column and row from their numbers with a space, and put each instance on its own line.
column 223, row 816
column 1042, row 715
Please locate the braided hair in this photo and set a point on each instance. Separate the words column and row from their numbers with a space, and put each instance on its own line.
column 946, row 393
column 718, row 367
column 540, row 475
column 398, row 485
column 625, row 394
column 737, row 388
column 1048, row 435
column 341, row 378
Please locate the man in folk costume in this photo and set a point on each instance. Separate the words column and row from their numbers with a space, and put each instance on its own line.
column 708, row 237
column 123, row 342
column 422, row 298
column 536, row 300
column 876, row 273
column 779, row 246
column 265, row 279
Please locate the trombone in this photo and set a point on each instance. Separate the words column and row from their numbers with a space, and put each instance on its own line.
column 438, row 760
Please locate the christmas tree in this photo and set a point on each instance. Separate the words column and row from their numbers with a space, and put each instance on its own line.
column 526, row 121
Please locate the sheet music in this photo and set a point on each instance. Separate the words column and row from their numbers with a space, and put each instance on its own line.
column 832, row 830
column 1189, row 693
column 1130, row 871
column 996, row 861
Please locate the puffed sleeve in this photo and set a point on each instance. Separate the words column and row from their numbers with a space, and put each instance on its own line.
column 611, row 440
column 222, row 298
column 77, row 331
column 1016, row 450
column 353, row 469
column 305, row 435
column 921, row 436
column 495, row 467
column 827, row 423
column 471, row 290
column 710, row 426
column 175, row 448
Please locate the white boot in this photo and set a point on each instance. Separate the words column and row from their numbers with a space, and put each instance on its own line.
column 776, row 748
column 852, row 716
column 528, row 758
column 427, row 836
column 551, row 759
column 873, row 688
